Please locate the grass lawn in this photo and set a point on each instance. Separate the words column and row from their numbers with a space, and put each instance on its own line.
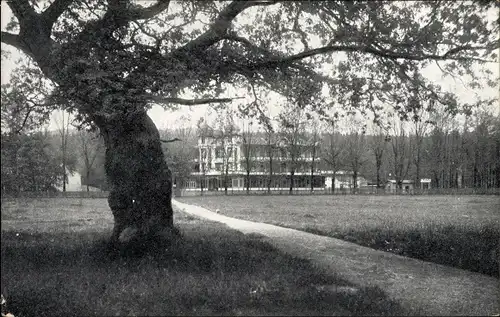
column 460, row 231
column 55, row 262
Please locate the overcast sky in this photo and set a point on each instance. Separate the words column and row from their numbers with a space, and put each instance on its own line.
column 190, row 115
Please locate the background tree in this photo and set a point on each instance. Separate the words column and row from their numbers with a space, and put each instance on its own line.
column 90, row 145
column 314, row 142
column 356, row 148
column 109, row 60
column 292, row 125
column 333, row 148
column 420, row 124
column 181, row 151
column 224, row 135
column 204, row 131
column 27, row 163
column 378, row 146
column 248, row 150
column 401, row 151
column 63, row 122
column 271, row 139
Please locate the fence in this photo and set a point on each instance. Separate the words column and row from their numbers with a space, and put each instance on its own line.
column 337, row 191
column 274, row 191
column 68, row 194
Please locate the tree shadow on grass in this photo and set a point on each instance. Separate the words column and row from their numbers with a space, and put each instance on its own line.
column 207, row 271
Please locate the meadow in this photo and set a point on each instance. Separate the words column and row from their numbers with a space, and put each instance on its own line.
column 55, row 261
column 460, row 231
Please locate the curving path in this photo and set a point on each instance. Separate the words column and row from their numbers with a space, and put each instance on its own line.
column 428, row 288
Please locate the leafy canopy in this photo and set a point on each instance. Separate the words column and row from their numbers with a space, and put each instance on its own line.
column 111, row 58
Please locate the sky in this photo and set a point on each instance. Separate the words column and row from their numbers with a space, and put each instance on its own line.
column 190, row 115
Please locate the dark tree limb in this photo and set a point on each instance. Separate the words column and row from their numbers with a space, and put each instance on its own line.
column 22, row 10
column 54, row 11
column 149, row 12
column 369, row 49
column 219, row 27
column 13, row 40
column 190, row 102
column 170, row 141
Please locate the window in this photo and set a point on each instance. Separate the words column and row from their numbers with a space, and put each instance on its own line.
column 218, row 167
column 283, row 167
column 219, row 152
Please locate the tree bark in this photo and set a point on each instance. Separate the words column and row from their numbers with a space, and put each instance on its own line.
column 140, row 181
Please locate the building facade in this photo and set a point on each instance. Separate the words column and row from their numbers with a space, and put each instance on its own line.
column 262, row 165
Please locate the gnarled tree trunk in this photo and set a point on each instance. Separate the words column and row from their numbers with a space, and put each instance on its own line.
column 140, row 181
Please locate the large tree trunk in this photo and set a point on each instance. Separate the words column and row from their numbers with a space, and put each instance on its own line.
column 140, row 181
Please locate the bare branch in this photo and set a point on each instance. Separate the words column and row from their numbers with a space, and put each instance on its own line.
column 371, row 50
column 54, row 11
column 13, row 40
column 149, row 12
column 455, row 77
column 190, row 102
column 220, row 26
column 170, row 141
column 18, row 131
column 22, row 10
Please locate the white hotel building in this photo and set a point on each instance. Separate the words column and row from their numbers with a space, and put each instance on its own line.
column 215, row 155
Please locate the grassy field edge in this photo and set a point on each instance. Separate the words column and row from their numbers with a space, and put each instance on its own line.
column 213, row 270
column 468, row 246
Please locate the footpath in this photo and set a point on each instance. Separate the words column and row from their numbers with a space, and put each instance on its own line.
column 428, row 288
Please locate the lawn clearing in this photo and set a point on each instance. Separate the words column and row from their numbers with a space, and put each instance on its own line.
column 460, row 231
column 55, row 261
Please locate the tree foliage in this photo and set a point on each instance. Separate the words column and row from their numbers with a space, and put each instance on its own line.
column 28, row 164
column 114, row 57
column 181, row 152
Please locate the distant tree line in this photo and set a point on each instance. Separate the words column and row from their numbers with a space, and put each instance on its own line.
column 452, row 153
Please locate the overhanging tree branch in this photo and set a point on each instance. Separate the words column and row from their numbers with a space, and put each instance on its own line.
column 149, row 12
column 190, row 102
column 219, row 27
column 371, row 50
column 54, row 11
column 22, row 10
column 170, row 141
column 13, row 40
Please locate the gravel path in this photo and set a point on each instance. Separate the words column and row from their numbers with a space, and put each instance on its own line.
column 428, row 288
